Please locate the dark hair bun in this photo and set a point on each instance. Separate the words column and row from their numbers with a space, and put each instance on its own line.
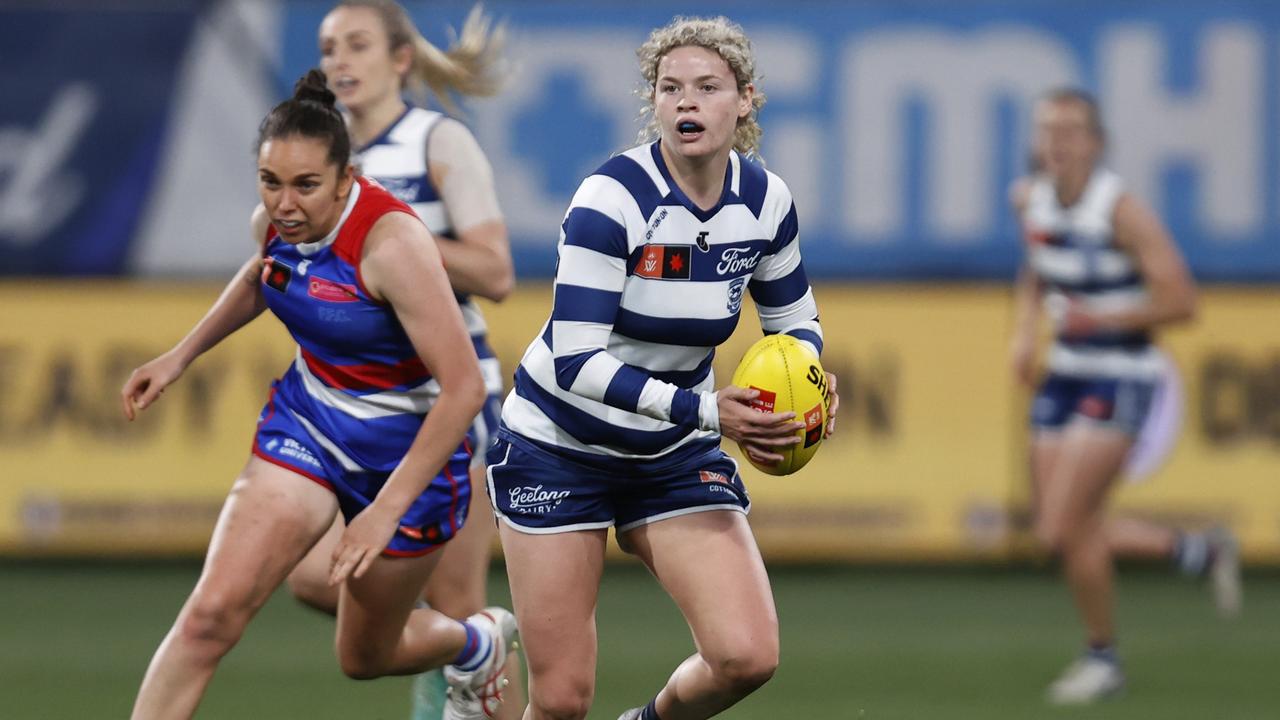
column 314, row 86
column 310, row 113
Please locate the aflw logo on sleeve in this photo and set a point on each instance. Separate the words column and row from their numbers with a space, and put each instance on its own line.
column 664, row 262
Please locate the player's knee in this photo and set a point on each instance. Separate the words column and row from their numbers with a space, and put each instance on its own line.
column 745, row 675
column 1059, row 537
column 314, row 592
column 359, row 670
column 745, row 669
column 1051, row 535
column 563, row 699
column 360, row 663
column 460, row 605
column 213, row 621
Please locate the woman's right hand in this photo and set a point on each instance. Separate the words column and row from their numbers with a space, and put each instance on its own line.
column 146, row 383
column 756, row 431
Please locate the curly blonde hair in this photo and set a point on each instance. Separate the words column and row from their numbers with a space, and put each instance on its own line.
column 721, row 36
column 472, row 65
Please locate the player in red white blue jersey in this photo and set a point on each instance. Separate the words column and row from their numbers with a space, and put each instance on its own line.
column 370, row 420
column 349, row 407
column 381, row 68
column 615, row 420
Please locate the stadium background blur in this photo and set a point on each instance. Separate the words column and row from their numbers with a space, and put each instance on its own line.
column 906, row 582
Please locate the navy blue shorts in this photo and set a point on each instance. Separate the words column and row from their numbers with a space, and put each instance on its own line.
column 1120, row 404
column 537, row 489
column 485, row 429
column 433, row 518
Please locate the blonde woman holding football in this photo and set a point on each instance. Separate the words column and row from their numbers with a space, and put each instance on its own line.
column 615, row 420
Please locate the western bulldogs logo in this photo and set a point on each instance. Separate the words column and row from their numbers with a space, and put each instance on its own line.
column 735, row 294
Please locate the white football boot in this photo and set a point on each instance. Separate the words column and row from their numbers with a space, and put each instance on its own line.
column 477, row 694
column 1087, row 680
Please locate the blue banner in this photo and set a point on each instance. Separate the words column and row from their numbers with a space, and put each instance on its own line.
column 86, row 100
column 899, row 125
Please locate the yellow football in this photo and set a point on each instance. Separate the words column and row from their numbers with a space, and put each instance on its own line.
column 790, row 379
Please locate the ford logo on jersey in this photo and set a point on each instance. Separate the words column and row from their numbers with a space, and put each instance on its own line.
column 735, row 260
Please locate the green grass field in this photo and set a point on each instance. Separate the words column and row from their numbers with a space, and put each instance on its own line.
column 863, row 644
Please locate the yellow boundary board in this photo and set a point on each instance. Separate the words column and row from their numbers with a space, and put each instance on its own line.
column 928, row 462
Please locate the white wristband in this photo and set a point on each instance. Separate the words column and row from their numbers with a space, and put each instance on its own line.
column 708, row 411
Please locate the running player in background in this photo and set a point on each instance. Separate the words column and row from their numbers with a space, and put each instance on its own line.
column 357, row 424
column 615, row 420
column 1109, row 275
column 373, row 55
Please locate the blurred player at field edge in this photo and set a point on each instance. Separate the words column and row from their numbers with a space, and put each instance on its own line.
column 1105, row 270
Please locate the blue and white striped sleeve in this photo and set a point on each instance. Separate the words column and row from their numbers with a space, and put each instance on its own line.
column 779, row 286
column 590, row 276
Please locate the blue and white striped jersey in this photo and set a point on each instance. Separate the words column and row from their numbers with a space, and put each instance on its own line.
column 1074, row 252
column 397, row 159
column 647, row 285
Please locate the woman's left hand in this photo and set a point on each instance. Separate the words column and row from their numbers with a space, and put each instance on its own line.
column 366, row 536
column 832, row 406
column 1077, row 321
